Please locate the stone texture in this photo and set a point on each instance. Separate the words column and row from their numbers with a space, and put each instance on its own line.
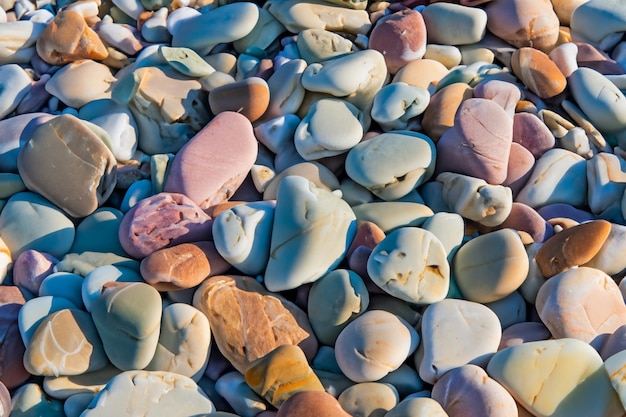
column 311, row 404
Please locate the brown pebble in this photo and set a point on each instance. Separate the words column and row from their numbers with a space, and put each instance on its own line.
column 250, row 97
column 538, row 72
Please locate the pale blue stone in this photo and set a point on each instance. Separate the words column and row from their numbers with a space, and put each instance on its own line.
column 65, row 285
column 95, row 280
column 98, row 232
column 29, row 400
column 137, row 191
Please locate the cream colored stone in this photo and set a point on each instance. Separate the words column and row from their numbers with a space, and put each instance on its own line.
column 81, row 82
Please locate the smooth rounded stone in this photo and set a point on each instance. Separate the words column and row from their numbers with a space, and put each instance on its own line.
column 63, row 284
column 369, row 399
column 184, row 342
column 81, row 82
column 538, row 72
column 29, row 400
column 389, row 215
column 510, row 309
column 119, row 36
column 318, row 45
column 298, row 16
column 17, row 40
column 608, row 259
column 456, row 333
column 12, row 371
column 14, row 136
column 98, row 232
column 76, row 404
column 614, row 366
column 476, row 200
column 30, row 222
column 615, row 342
column 286, row 92
column 277, row 133
column 5, row 259
column 504, row 93
column 348, row 299
column 582, row 303
column 65, row 343
column 599, row 99
column 525, row 219
column 45, row 160
column 479, row 142
column 150, row 393
column 318, row 174
column 572, row 247
column 416, row 407
column 397, row 104
column 454, row 24
column 449, row 228
column 154, row 27
column 400, row 37
column 524, row 23
column 64, row 386
column 405, row 380
column 374, row 344
column 331, row 127
column 311, row 404
column 368, row 234
column 312, row 231
column 34, row 312
column 127, row 317
column 263, row 36
column 249, row 97
column 137, row 191
column 595, row 20
column 182, row 266
column 14, row 85
column 565, row 57
column 530, row 132
column 392, row 164
column 448, row 55
column 411, row 264
column 233, row 305
column 243, row 400
column 491, row 266
column 229, row 139
column 281, row 373
column 95, row 280
column 605, row 187
column 68, row 38
column 560, row 377
column 395, row 306
column 160, row 221
column 424, row 73
column 356, row 77
column 524, row 332
column 229, row 23
column 469, row 391
column 521, row 164
column 440, row 114
column 559, row 176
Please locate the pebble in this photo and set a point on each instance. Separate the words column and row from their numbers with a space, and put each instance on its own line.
column 15, row 84
column 463, row 25
column 74, row 85
column 538, row 72
column 369, row 399
column 233, row 387
column 310, row 404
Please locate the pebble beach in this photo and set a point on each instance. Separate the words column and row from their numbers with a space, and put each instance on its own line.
column 312, row 208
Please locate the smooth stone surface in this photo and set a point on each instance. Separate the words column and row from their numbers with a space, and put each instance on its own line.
column 103, row 223
column 14, row 86
column 31, row 267
column 614, row 366
column 127, row 317
column 397, row 104
column 556, row 378
column 249, row 97
column 184, row 342
column 374, row 344
column 244, row 401
column 607, row 258
column 28, row 221
column 317, row 45
column 281, row 373
column 411, row 264
column 311, row 404
column 510, row 309
column 442, row 108
column 81, row 82
column 530, row 132
column 491, row 266
column 416, row 407
column 35, row 311
column 63, row 387
column 504, row 93
column 12, row 371
column 454, row 24
column 55, row 146
column 392, row 164
column 456, row 333
column 148, row 393
column 469, row 391
column 95, row 280
column 538, row 72
column 372, row 399
column 63, row 284
column 348, row 297
column 591, row 20
column 65, row 343
column 389, row 215
column 315, row 172
column 29, row 400
column 519, row 333
column 605, row 188
column 15, row 136
column 312, row 231
column 233, row 304
column 582, row 303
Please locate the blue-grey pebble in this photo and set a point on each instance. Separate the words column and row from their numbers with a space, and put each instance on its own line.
column 98, row 232
column 29, row 400
column 95, row 280
column 63, row 284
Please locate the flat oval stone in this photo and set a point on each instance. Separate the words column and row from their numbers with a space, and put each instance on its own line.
column 572, row 247
column 479, row 143
column 249, row 97
column 28, row 221
column 469, row 391
column 538, row 72
column 65, row 343
column 397, row 104
column 369, row 399
column 281, row 373
column 182, row 266
column 374, row 344
column 150, row 393
column 165, row 219
column 582, row 303
column 331, row 127
column 230, row 141
column 557, row 378
column 312, row 231
column 184, row 342
column 491, row 266
column 349, row 298
column 229, row 23
column 392, row 164
column 456, row 333
column 63, row 142
column 454, row 24
column 247, row 321
column 311, row 404
column 128, row 317
column 185, row 60
column 411, row 263
column 286, row 91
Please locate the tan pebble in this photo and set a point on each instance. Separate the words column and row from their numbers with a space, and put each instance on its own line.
column 439, row 115
column 538, row 72
column 574, row 246
column 424, row 73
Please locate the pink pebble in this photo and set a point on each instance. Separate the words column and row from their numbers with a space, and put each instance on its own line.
column 518, row 333
column 31, row 268
column 521, row 163
column 530, row 132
